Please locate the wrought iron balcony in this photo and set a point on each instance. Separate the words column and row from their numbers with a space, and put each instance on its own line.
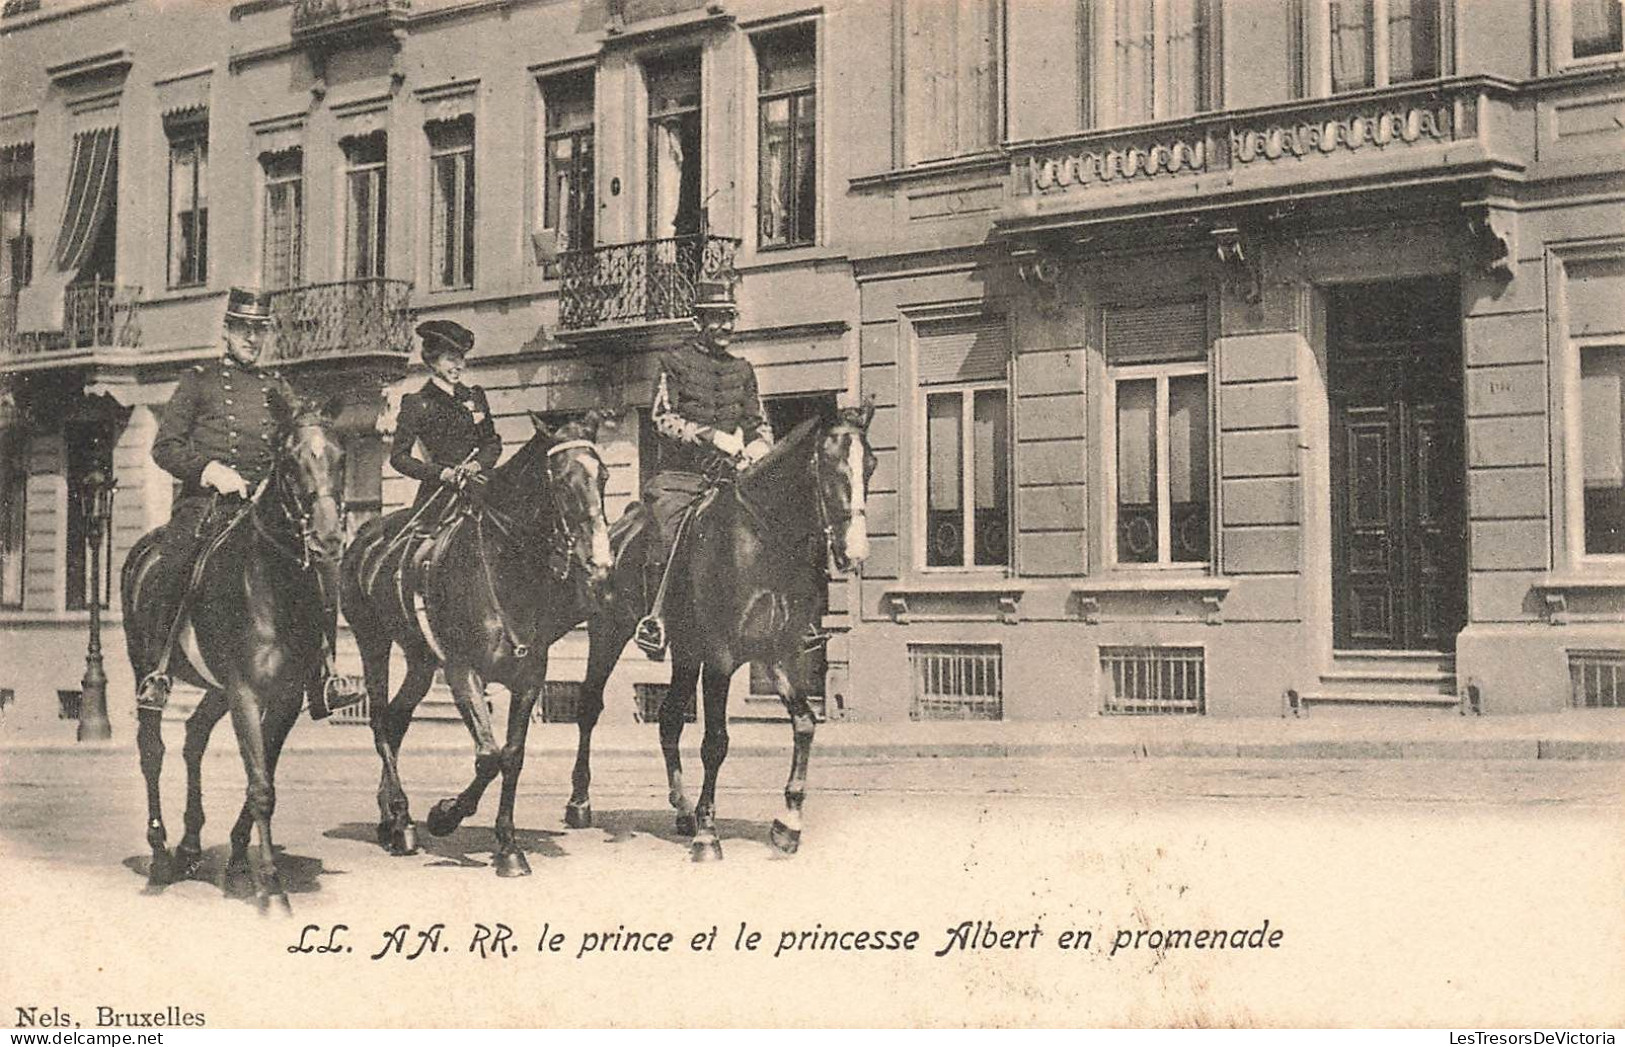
column 351, row 318
column 97, row 315
column 321, row 21
column 639, row 283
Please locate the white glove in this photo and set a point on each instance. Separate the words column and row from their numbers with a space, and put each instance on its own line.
column 731, row 444
column 755, row 451
column 225, row 479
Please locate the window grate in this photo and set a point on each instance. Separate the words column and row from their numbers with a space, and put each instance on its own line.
column 957, row 681
column 1153, row 681
column 1597, row 679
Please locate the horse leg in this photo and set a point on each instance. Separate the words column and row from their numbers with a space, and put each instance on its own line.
column 713, row 750
column 509, row 859
column 199, row 726
column 260, row 801
column 446, row 815
column 602, row 654
column 389, row 719
column 786, row 831
column 150, row 742
column 275, row 726
column 684, row 676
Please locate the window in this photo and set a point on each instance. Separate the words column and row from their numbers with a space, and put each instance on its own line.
column 1153, row 681
column 16, row 218
column 1160, row 58
column 188, row 203
column 1156, row 419
column 1593, row 29
column 451, row 203
column 787, row 179
column 366, row 213
column 674, row 146
column 963, row 367
column 1373, row 43
column 1602, row 447
column 364, row 456
column 282, row 237
column 950, row 78
column 568, row 206
column 13, row 514
column 956, row 681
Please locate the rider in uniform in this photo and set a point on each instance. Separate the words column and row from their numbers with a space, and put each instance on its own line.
column 450, row 420
column 218, row 438
column 706, row 412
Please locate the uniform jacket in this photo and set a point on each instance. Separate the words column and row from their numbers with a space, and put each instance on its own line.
column 220, row 412
column 698, row 393
column 448, row 427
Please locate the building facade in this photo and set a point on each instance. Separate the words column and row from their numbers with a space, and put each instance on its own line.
column 1230, row 356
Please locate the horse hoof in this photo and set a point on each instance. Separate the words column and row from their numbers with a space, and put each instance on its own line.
column 274, row 904
column 404, row 841
column 161, row 871
column 511, row 863
column 386, row 831
column 238, row 880
column 785, row 839
column 705, row 850
column 578, row 815
column 444, row 818
column 188, row 860
column 687, row 825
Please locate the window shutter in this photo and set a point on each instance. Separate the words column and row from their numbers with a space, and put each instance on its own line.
column 1156, row 333
column 970, row 350
column 1595, row 290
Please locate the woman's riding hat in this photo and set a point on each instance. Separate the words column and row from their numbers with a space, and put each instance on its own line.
column 248, row 305
column 714, row 296
column 444, row 338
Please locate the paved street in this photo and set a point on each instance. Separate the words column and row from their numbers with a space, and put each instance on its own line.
column 1452, row 891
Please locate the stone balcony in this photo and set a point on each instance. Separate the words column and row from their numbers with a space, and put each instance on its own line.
column 329, row 23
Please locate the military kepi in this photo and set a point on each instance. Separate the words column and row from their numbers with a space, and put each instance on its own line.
column 714, row 295
column 248, row 305
column 443, row 337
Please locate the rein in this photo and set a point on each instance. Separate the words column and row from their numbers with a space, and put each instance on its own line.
column 764, row 527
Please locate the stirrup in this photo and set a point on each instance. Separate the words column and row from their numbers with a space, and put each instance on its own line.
column 814, row 638
column 153, row 694
column 341, row 690
column 650, row 636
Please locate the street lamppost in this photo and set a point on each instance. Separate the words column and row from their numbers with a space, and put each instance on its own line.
column 98, row 489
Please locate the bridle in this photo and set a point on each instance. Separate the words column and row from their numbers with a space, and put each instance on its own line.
column 290, row 503
column 825, row 524
column 560, row 536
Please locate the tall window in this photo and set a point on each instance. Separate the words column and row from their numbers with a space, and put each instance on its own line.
column 13, row 514
column 366, row 212
column 1163, row 57
column 950, row 78
column 674, row 145
column 451, row 202
column 282, row 238
column 568, row 206
column 188, row 203
column 963, row 372
column 1602, row 447
column 16, row 218
column 1158, row 492
column 787, row 177
column 1594, row 29
column 1373, row 43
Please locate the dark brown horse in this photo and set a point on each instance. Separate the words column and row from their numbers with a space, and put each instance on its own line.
column 747, row 586
column 254, row 641
column 503, row 586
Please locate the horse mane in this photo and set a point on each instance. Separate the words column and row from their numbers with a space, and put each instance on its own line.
column 514, row 482
column 777, row 466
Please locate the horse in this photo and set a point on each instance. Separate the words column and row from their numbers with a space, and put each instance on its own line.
column 746, row 586
column 507, row 575
column 253, row 642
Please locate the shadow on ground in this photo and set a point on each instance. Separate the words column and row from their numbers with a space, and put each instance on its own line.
column 459, row 847
column 301, row 874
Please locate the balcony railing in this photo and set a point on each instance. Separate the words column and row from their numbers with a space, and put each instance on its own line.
column 346, row 319
column 1304, row 141
column 318, row 19
column 639, row 283
column 96, row 315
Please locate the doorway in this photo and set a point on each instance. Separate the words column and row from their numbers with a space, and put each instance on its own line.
column 1398, row 476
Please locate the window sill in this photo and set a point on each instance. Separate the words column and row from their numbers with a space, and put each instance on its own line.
column 785, row 257
column 1209, row 589
column 986, row 161
column 962, row 598
column 190, row 292
column 1556, row 588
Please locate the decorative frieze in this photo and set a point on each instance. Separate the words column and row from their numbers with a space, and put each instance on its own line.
column 1089, row 167
column 1352, row 131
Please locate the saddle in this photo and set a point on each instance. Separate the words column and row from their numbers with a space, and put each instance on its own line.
column 407, row 563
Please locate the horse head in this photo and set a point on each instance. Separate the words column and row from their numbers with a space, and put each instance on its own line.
column 308, row 480
column 577, row 476
column 843, row 464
